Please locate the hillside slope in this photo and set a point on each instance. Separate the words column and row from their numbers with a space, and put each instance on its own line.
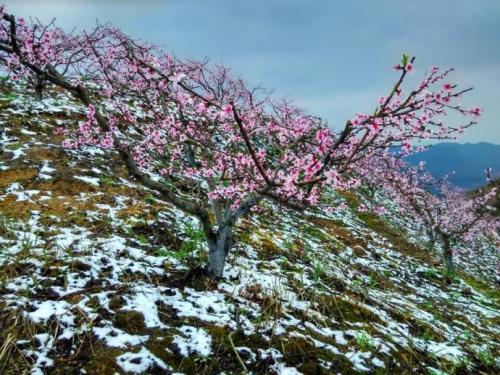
column 95, row 278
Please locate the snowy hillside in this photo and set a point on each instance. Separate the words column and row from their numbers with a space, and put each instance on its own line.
column 99, row 276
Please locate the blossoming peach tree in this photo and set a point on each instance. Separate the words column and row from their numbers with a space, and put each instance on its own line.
column 207, row 142
column 449, row 215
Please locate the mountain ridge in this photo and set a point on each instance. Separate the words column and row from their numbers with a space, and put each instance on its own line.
column 467, row 160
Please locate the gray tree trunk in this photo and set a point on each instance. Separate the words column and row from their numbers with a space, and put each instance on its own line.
column 448, row 256
column 39, row 90
column 220, row 243
column 219, row 248
column 431, row 244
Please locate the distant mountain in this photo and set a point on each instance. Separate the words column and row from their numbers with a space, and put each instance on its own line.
column 467, row 160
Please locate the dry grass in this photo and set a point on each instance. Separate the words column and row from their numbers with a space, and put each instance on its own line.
column 10, row 176
column 14, row 326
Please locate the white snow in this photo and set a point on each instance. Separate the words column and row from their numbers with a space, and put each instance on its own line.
column 140, row 362
column 144, row 302
column 117, row 338
column 193, row 340
column 46, row 309
column 89, row 180
column 277, row 297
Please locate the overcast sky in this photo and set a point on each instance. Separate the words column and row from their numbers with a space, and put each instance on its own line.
column 332, row 57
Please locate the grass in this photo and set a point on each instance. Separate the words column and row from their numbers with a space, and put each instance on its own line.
column 328, row 295
column 14, row 146
column 482, row 287
column 429, row 306
column 150, row 199
column 431, row 273
column 8, row 97
column 428, row 335
column 6, row 228
column 191, row 251
column 14, row 327
column 365, row 342
column 485, row 357
column 395, row 236
column 109, row 181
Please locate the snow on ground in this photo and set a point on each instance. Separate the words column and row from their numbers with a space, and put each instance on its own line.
column 140, row 362
column 92, row 260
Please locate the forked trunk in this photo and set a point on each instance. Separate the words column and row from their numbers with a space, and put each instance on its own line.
column 219, row 248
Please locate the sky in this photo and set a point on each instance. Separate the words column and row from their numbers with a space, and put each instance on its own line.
column 331, row 57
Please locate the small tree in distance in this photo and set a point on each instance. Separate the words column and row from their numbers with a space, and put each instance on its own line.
column 204, row 140
column 448, row 214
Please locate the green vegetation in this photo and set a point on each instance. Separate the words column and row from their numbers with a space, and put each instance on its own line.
column 8, row 97
column 14, row 146
column 482, row 287
column 428, row 335
column 150, row 199
column 365, row 342
column 307, row 264
column 108, row 180
column 191, row 252
column 485, row 357
column 431, row 273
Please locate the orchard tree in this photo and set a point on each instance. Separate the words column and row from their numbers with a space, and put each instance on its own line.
column 449, row 215
column 209, row 144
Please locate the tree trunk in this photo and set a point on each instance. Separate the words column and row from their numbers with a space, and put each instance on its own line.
column 372, row 193
column 39, row 90
column 448, row 256
column 219, row 247
column 431, row 243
